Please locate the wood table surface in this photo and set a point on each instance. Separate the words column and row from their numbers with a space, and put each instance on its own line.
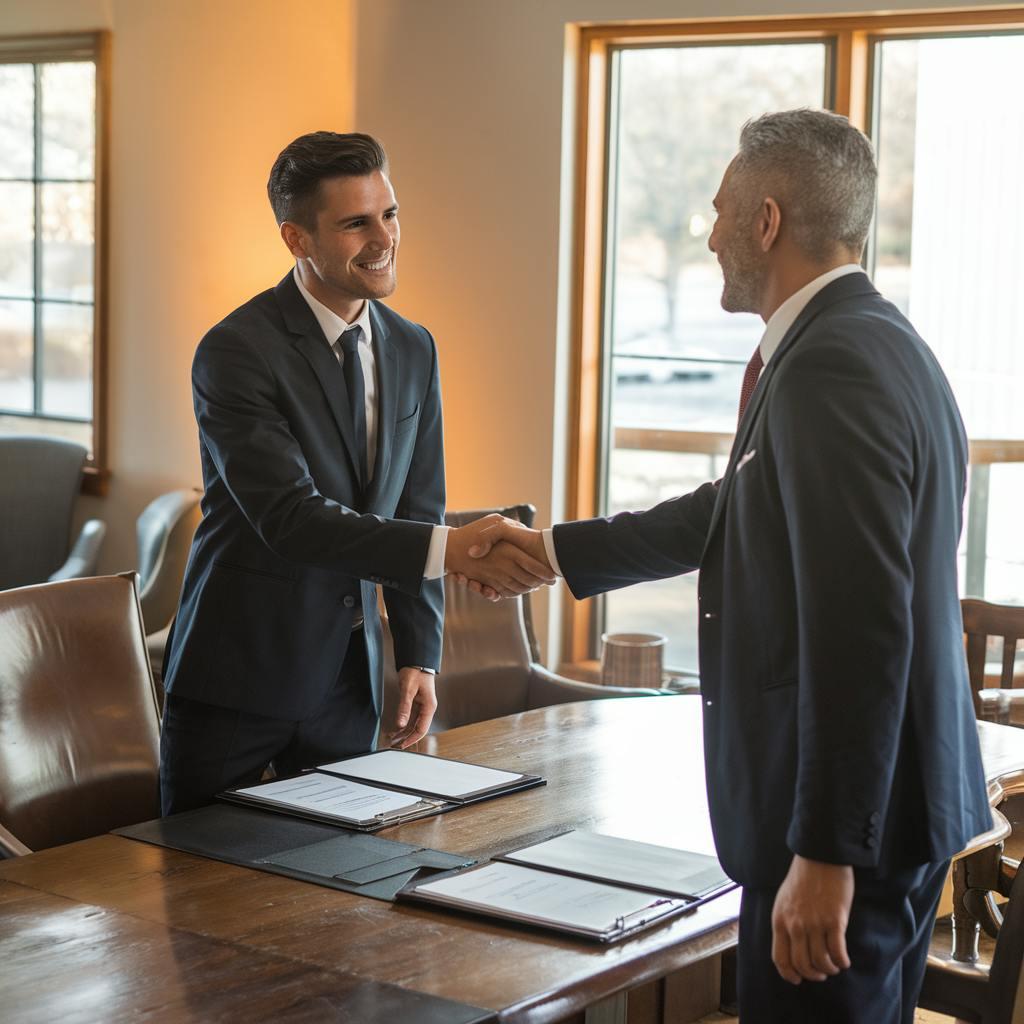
column 111, row 928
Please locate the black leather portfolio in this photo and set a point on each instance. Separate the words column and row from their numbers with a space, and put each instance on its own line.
column 312, row 852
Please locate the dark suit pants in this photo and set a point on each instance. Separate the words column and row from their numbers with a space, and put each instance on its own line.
column 887, row 941
column 205, row 749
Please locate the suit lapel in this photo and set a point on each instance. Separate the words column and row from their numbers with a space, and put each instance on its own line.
column 848, row 286
column 310, row 341
column 386, row 359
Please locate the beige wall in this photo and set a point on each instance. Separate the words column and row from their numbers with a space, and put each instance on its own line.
column 205, row 94
column 468, row 97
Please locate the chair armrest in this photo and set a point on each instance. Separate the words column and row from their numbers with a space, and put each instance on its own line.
column 546, row 688
column 11, row 845
column 85, row 554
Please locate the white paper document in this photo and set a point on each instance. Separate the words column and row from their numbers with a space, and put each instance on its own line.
column 540, row 897
column 434, row 775
column 327, row 794
column 627, row 862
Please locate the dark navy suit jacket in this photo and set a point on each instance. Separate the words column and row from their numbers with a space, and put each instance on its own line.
column 292, row 541
column 838, row 719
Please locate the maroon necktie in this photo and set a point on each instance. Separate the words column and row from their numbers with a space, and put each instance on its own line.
column 750, row 376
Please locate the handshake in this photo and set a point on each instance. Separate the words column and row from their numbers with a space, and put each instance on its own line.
column 498, row 557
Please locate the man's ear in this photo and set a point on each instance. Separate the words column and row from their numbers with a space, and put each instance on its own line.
column 295, row 238
column 769, row 223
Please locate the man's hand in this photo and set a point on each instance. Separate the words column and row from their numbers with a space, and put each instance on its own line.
column 812, row 908
column 475, row 554
column 416, row 706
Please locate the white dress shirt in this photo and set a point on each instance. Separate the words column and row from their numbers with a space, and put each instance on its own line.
column 774, row 331
column 334, row 327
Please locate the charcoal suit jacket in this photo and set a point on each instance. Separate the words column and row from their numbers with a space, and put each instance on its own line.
column 292, row 541
column 838, row 721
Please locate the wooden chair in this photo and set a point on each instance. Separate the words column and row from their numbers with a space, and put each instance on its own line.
column 983, row 620
column 490, row 660
column 79, row 734
column 975, row 991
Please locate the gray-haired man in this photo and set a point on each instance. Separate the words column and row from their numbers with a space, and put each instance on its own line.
column 842, row 757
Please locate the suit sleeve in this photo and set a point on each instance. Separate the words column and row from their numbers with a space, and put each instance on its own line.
column 845, row 459
column 597, row 555
column 261, row 463
column 417, row 621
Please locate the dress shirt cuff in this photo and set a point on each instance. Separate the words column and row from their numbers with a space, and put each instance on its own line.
column 434, row 569
column 549, row 549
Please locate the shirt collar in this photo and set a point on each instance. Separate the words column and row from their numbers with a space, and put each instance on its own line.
column 784, row 317
column 330, row 323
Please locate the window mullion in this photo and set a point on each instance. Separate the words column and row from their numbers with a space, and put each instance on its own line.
column 37, row 242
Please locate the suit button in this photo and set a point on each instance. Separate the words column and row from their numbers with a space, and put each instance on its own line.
column 870, row 842
column 710, row 615
column 707, row 703
column 348, row 601
column 873, row 817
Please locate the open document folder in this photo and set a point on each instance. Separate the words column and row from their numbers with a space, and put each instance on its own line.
column 595, row 886
column 373, row 791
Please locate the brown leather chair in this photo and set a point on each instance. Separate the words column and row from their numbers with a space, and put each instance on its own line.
column 79, row 734
column 489, row 665
column 983, row 992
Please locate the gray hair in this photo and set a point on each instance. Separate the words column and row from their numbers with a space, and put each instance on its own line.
column 820, row 169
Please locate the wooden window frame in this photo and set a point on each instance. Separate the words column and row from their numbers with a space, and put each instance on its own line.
column 92, row 46
column 852, row 37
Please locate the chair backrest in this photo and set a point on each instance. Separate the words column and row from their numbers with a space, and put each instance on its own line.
column 487, row 652
column 981, row 621
column 79, row 734
column 164, row 532
column 39, row 481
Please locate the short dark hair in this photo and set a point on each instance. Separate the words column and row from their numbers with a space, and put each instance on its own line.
column 294, row 185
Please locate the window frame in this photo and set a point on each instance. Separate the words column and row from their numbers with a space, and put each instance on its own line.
column 852, row 38
column 95, row 47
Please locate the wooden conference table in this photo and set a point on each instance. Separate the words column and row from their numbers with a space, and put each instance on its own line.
column 112, row 929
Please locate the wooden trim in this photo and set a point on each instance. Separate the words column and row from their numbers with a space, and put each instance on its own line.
column 852, row 58
column 853, row 36
column 958, row 19
column 98, row 471
column 983, row 451
column 585, row 400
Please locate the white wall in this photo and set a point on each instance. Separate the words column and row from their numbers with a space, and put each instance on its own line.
column 205, row 94
column 467, row 95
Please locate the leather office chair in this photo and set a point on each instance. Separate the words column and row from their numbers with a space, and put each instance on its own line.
column 981, row 993
column 79, row 732
column 490, row 656
column 164, row 532
column 40, row 478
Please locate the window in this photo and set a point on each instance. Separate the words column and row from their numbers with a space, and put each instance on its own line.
column 51, row 212
column 658, row 363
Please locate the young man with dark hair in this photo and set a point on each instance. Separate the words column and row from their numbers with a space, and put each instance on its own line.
column 319, row 413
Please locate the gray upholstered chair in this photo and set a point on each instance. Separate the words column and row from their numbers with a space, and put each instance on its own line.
column 40, row 479
column 490, row 658
column 164, row 532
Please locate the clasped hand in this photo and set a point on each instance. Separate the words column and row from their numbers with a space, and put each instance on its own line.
column 498, row 557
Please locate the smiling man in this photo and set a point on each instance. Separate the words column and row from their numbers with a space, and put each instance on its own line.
column 319, row 413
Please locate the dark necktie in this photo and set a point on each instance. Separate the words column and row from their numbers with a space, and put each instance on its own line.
column 750, row 376
column 353, row 371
